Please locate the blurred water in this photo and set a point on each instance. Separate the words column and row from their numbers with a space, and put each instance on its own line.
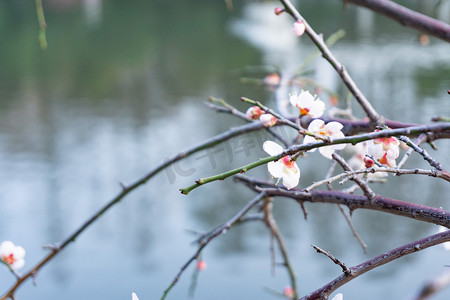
column 120, row 89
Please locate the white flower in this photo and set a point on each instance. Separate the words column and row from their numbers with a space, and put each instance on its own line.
column 134, row 297
column 338, row 297
column 331, row 130
column 308, row 104
column 12, row 255
column 384, row 150
column 268, row 120
column 284, row 167
column 298, row 28
column 360, row 161
column 446, row 244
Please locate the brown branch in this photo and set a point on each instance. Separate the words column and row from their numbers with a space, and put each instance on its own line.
column 422, row 152
column 326, row 290
column 379, row 203
column 217, row 232
column 275, row 232
column 407, row 17
column 345, row 269
column 125, row 191
column 361, row 183
column 374, row 117
column 434, row 286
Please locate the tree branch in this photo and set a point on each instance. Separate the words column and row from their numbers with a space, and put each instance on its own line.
column 407, row 17
column 374, row 117
column 326, row 290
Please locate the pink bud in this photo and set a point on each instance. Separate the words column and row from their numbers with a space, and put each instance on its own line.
column 288, row 292
column 279, row 11
column 201, row 265
column 368, row 162
column 268, row 120
column 254, row 113
column 298, row 28
column 272, row 79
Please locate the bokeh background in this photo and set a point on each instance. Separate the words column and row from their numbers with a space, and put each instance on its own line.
column 120, row 89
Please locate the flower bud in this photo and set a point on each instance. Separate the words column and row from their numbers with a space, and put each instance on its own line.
column 268, row 120
column 279, row 11
column 298, row 28
column 253, row 112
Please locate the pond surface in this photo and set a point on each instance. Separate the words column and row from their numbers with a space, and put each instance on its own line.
column 120, row 89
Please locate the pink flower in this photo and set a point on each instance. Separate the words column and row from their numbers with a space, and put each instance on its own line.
column 288, row 292
column 284, row 168
column 254, row 112
column 201, row 265
column 384, row 150
column 272, row 80
column 331, row 130
column 279, row 11
column 268, row 120
column 308, row 104
column 298, row 28
column 12, row 255
column 360, row 161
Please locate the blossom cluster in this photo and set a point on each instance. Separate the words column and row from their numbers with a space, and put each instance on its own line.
column 383, row 150
column 255, row 113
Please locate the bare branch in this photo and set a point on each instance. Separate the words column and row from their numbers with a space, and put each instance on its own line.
column 434, row 286
column 340, row 69
column 402, row 208
column 422, row 152
column 407, row 17
column 217, row 232
column 345, row 269
column 326, row 290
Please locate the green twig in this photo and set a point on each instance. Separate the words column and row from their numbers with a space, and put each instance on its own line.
column 42, row 24
column 304, row 147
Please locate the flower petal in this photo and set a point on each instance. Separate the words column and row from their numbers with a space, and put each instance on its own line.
column 317, row 109
column 276, row 169
column 334, row 126
column 327, row 151
column 315, row 125
column 272, row 148
column 134, row 296
column 291, row 179
column 339, row 296
column 305, row 99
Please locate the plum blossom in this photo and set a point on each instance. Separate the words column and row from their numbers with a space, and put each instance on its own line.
column 272, row 80
column 253, row 112
column 201, row 265
column 446, row 244
column 12, row 255
column 288, row 292
column 330, row 130
column 268, row 120
column 284, row 168
column 308, row 104
column 384, row 150
column 134, row 296
column 360, row 161
column 298, row 28
column 339, row 296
